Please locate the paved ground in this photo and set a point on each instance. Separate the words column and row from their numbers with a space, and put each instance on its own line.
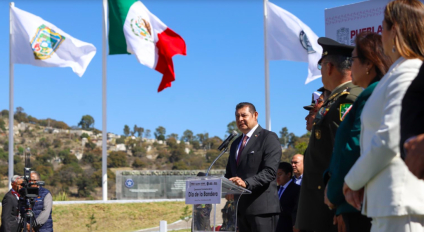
column 179, row 225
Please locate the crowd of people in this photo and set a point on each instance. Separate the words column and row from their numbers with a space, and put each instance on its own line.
column 363, row 169
column 15, row 206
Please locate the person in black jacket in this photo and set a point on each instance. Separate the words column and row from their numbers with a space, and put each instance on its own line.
column 288, row 192
column 252, row 164
column 9, row 210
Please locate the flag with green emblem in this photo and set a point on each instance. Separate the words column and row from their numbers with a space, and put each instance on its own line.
column 133, row 29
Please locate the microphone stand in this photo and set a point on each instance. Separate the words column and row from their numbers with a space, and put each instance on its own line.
column 223, row 151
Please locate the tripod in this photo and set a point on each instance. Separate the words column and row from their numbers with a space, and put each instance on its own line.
column 28, row 218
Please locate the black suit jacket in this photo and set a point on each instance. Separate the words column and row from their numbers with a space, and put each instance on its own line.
column 258, row 167
column 288, row 207
column 412, row 114
column 9, row 213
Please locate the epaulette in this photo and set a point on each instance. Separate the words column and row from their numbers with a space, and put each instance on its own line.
column 344, row 93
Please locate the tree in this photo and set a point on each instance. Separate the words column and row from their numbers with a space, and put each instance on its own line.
column 284, row 136
column 117, row 159
column 187, row 136
column 160, row 133
column 138, row 163
column 20, row 116
column 135, row 129
column 87, row 122
column 85, row 186
column 232, row 126
column 202, row 137
column 147, row 134
column 140, row 131
column 173, row 135
column 126, row 130
column 292, row 139
column 5, row 113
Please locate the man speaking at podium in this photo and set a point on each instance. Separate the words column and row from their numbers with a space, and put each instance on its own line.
column 253, row 163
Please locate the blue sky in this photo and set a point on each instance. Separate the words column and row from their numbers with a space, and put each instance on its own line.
column 224, row 66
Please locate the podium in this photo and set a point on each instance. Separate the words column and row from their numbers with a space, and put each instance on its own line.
column 214, row 201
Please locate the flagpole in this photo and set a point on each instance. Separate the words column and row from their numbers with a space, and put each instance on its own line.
column 267, row 105
column 104, row 122
column 11, row 79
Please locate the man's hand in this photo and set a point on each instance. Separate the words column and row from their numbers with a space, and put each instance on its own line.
column 238, row 181
column 338, row 220
column 414, row 148
column 326, row 201
column 354, row 198
column 28, row 228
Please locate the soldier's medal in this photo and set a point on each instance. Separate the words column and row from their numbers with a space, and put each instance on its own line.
column 318, row 134
column 344, row 109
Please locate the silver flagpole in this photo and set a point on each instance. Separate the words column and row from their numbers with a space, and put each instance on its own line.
column 267, row 107
column 104, row 103
column 11, row 79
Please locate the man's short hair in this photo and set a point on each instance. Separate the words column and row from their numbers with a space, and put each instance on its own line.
column 252, row 108
column 36, row 173
column 286, row 167
column 15, row 178
column 342, row 63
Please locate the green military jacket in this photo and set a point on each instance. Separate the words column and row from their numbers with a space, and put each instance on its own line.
column 346, row 152
column 312, row 213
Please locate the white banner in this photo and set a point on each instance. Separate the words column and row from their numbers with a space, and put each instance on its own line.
column 345, row 22
column 206, row 191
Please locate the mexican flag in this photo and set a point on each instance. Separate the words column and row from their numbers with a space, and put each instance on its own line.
column 134, row 29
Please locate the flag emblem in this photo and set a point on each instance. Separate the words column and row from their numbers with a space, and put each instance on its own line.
column 344, row 109
column 305, row 42
column 141, row 28
column 45, row 42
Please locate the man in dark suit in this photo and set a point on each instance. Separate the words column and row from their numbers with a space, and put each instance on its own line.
column 252, row 164
column 288, row 192
column 9, row 210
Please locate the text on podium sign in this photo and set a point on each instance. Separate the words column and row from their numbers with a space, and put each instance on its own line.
column 206, row 191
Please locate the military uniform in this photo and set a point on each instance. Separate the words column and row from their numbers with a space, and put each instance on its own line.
column 313, row 214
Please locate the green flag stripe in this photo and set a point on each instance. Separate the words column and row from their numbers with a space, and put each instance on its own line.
column 118, row 10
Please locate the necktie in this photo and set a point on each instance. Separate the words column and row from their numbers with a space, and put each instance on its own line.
column 280, row 191
column 241, row 148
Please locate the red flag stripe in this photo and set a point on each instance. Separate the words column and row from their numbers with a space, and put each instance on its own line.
column 169, row 44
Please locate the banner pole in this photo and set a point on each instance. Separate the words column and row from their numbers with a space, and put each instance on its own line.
column 267, row 104
column 104, row 103
column 11, row 80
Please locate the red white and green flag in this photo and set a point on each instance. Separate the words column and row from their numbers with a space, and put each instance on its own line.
column 133, row 29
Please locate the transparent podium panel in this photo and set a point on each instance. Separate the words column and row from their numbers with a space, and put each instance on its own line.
column 222, row 216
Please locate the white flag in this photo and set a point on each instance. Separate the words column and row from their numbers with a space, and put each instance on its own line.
column 288, row 38
column 40, row 43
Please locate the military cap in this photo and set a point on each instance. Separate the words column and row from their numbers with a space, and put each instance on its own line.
column 322, row 89
column 331, row 47
column 315, row 96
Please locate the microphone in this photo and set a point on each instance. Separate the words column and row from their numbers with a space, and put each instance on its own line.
column 228, row 140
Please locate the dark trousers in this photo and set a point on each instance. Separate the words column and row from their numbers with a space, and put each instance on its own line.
column 257, row 223
column 356, row 222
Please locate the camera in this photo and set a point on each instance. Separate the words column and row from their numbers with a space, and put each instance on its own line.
column 29, row 188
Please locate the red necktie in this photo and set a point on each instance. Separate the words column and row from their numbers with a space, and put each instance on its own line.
column 241, row 148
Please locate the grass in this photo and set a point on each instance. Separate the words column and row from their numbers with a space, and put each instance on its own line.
column 114, row 217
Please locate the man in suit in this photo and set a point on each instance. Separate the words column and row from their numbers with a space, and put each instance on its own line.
column 252, row 164
column 9, row 210
column 297, row 165
column 288, row 193
column 313, row 214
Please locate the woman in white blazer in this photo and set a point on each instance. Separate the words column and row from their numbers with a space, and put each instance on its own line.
column 390, row 194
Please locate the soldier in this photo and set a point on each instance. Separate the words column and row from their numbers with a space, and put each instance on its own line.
column 313, row 214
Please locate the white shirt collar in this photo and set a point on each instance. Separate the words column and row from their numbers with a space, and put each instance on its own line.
column 250, row 133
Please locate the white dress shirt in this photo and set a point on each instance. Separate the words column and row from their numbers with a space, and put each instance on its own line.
column 249, row 135
column 390, row 188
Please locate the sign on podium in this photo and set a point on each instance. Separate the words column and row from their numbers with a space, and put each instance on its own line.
column 214, row 201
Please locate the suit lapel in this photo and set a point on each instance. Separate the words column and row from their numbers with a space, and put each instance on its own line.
column 233, row 151
column 249, row 144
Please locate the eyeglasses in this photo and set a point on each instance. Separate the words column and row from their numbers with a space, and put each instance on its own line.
column 320, row 65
